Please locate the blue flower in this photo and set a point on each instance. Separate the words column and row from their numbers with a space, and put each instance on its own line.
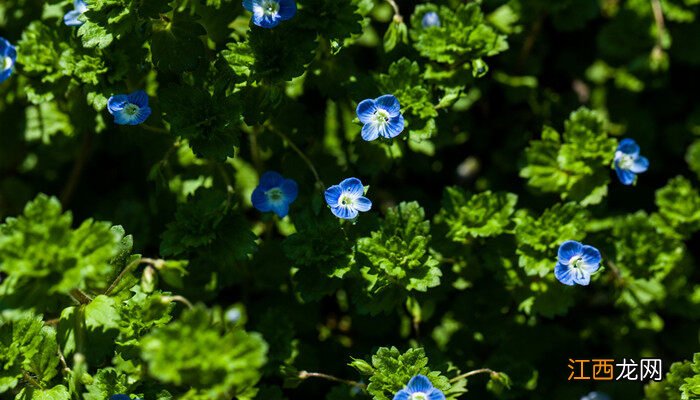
column 628, row 162
column 269, row 13
column 131, row 109
column 8, row 57
column 346, row 200
column 71, row 17
column 419, row 388
column 120, row 397
column 596, row 396
column 576, row 263
column 274, row 193
column 381, row 117
column 430, row 19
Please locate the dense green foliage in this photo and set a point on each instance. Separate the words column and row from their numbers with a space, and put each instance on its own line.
column 513, row 112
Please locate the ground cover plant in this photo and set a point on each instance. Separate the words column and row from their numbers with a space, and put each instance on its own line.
column 348, row 199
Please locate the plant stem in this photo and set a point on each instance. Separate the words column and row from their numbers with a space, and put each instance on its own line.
column 179, row 299
column 154, row 128
column 471, row 373
column 121, row 275
column 300, row 153
column 80, row 296
column 397, row 13
column 31, row 380
column 305, row 375
column 660, row 23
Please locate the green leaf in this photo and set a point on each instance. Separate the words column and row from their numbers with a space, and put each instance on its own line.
column 176, row 46
column 392, row 370
column 576, row 164
column 397, row 33
column 679, row 208
column 479, row 215
column 45, row 258
column 58, row 392
column 102, row 313
column 210, row 123
column 397, row 257
column 206, row 356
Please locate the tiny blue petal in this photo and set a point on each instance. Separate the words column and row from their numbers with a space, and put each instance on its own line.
column 402, row 395
column 274, row 193
column 120, row 397
column 380, row 117
column 576, row 263
column 430, row 19
column 346, row 199
column 628, row 146
column 596, row 396
column 8, row 58
column 269, row 13
column 436, row 395
column 419, row 383
column 72, row 17
column 129, row 109
column 628, row 163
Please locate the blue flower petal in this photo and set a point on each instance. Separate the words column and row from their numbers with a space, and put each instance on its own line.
column 248, row 5
column 419, row 383
column 353, row 187
column 591, row 259
column 139, row 97
column 394, row 127
column 288, row 8
column 280, row 208
column 641, row 164
column 80, row 5
column 332, row 195
column 430, row 19
column 7, row 50
column 265, row 20
column 581, row 277
column 71, row 18
column 436, row 395
column 271, row 179
column 402, row 395
column 362, row 204
column 628, row 146
column 389, row 103
column 142, row 115
column 290, row 190
column 370, row 132
column 569, row 250
column 260, row 200
column 626, row 177
column 365, row 110
column 117, row 103
column 344, row 212
column 120, row 397
column 564, row 274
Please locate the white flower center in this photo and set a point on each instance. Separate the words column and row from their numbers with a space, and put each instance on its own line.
column 576, row 261
column 270, row 7
column 131, row 109
column 7, row 63
column 381, row 117
column 275, row 195
column 418, row 396
column 345, row 200
column 626, row 161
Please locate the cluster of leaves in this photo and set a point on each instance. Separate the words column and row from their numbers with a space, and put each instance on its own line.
column 465, row 278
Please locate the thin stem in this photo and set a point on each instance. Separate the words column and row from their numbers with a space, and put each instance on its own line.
column 225, row 178
column 471, row 373
column 300, row 153
column 660, row 23
column 63, row 361
column 179, row 299
column 121, row 275
column 31, row 380
column 80, row 296
column 157, row 263
column 397, row 13
column 305, row 375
